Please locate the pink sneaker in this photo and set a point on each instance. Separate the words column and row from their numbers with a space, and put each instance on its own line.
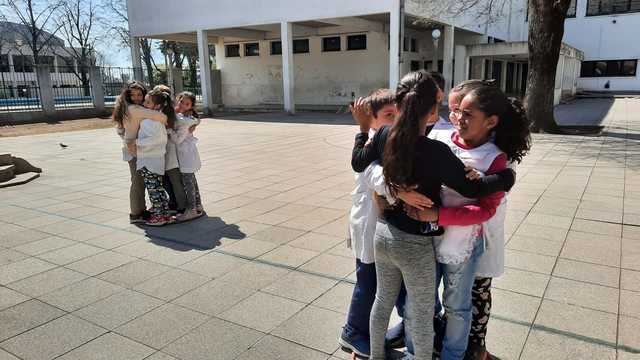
column 157, row 220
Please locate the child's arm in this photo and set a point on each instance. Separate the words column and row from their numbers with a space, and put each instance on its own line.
column 139, row 113
column 177, row 136
column 362, row 156
column 476, row 213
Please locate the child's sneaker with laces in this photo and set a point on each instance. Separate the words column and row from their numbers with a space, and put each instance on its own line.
column 157, row 220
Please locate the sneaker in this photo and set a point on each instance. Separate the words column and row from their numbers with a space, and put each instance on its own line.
column 157, row 220
column 187, row 215
column 351, row 342
column 394, row 339
column 139, row 219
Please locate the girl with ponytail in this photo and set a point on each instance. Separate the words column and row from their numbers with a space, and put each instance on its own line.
column 151, row 147
column 404, row 246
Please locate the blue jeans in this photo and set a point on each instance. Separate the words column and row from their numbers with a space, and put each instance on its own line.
column 458, row 283
column 364, row 294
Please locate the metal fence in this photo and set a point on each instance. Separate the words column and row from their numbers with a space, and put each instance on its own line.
column 71, row 87
column 191, row 82
column 19, row 89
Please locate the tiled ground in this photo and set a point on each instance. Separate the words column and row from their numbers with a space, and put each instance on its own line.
column 267, row 276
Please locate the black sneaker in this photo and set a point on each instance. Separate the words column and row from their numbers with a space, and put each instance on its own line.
column 140, row 219
column 394, row 338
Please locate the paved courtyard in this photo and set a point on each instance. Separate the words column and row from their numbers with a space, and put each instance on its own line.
column 267, row 276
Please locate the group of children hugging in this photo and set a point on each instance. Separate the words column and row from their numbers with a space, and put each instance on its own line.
column 428, row 211
column 159, row 145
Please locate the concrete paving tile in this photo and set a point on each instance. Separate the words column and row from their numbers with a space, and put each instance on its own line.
column 118, row 309
column 630, row 303
column 214, row 264
column 100, row 263
column 262, row 311
column 23, row 269
column 214, row 297
column 171, row 284
column 250, row 248
column 545, row 345
column 21, row 237
column 162, row 326
column 314, row 219
column 523, row 282
column 255, row 276
column 278, row 235
column 513, row 306
column 542, row 232
column 47, row 281
column 505, row 339
column 25, row 316
column 596, row 227
column 314, row 328
column 80, row 294
column 336, row 299
column 139, row 249
column 133, row 273
column 628, row 333
column 176, row 256
column 215, row 340
column 8, row 256
column 7, row 356
column 273, row 348
column 577, row 320
column 586, row 272
column 328, row 264
column 300, row 286
column 316, row 242
column 554, row 221
column 109, row 346
column 70, row 254
column 160, row 356
column 114, row 239
column 9, row 297
column 289, row 256
column 583, row 294
column 630, row 254
column 53, row 338
column 529, row 261
column 534, row 245
column 630, row 280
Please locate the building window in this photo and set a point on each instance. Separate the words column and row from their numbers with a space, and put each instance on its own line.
column 23, row 63
column 414, row 45
column 4, row 63
column 571, row 13
column 427, row 65
column 608, row 7
column 66, row 64
column 301, row 46
column 609, row 68
column 276, row 48
column 331, row 43
column 415, row 65
column 232, row 50
column 357, row 42
column 252, row 49
column 46, row 60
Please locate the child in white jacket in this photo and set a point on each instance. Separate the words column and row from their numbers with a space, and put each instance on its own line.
column 188, row 157
column 151, row 146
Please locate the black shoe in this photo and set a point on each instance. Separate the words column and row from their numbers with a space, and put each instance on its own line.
column 140, row 219
column 394, row 339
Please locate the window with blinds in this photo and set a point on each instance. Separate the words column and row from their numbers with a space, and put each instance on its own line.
column 608, row 7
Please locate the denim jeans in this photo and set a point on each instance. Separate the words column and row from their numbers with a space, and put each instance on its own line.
column 458, row 282
column 364, row 293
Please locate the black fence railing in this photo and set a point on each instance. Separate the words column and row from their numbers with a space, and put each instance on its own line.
column 114, row 79
column 19, row 90
column 191, row 82
column 71, row 87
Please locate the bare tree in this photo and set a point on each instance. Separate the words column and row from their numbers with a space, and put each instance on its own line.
column 120, row 27
column 546, row 29
column 35, row 17
column 78, row 26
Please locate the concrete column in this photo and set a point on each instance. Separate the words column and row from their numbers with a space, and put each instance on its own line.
column 205, row 71
column 395, row 43
column 462, row 64
column 96, row 88
column 14, row 80
column 47, row 102
column 136, row 58
column 447, row 64
column 168, row 65
column 57, row 69
column 178, row 81
column 503, row 76
column 286, row 34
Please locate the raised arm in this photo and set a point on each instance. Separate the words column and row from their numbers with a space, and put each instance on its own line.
column 137, row 113
column 365, row 153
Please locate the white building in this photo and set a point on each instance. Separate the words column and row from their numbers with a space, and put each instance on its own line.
column 607, row 32
column 310, row 53
column 17, row 69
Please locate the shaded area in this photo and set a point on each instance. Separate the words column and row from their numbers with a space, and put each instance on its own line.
column 203, row 233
